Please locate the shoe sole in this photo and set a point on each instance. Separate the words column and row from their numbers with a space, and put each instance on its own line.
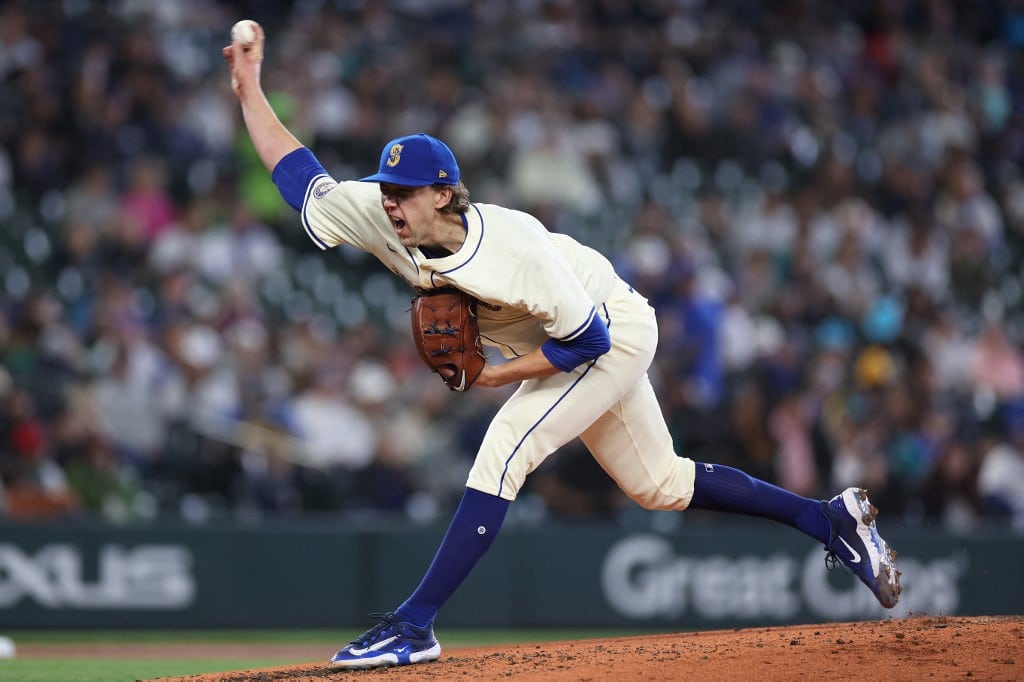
column 387, row 660
column 889, row 588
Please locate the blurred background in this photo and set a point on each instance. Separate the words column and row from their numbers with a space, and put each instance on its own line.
column 824, row 202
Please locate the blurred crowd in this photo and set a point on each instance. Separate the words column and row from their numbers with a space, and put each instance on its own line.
column 823, row 200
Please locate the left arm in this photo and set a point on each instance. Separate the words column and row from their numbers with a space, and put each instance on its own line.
column 533, row 365
column 551, row 358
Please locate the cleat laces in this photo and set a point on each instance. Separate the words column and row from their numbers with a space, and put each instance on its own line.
column 831, row 560
column 387, row 620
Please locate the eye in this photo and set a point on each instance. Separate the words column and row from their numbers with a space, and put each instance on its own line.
column 397, row 195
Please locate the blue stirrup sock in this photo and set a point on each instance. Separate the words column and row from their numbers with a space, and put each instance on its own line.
column 722, row 488
column 473, row 528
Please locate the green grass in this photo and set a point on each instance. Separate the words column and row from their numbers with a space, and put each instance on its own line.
column 176, row 636
column 123, row 670
column 453, row 635
column 129, row 669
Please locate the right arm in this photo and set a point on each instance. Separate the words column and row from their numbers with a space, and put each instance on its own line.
column 329, row 217
column 292, row 166
column 273, row 141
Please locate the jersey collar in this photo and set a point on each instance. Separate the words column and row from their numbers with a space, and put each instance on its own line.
column 473, row 222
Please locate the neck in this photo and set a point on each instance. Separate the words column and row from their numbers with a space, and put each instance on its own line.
column 451, row 234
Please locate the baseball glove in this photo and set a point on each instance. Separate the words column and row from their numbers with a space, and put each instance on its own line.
column 446, row 334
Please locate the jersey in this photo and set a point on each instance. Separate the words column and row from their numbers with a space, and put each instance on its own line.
column 533, row 285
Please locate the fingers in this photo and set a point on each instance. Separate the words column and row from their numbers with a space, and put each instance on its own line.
column 238, row 51
column 254, row 51
column 258, row 45
column 244, row 61
column 229, row 57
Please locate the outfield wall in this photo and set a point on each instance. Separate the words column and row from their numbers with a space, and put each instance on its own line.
column 709, row 576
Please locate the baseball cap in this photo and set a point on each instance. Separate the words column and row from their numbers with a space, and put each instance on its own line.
column 416, row 160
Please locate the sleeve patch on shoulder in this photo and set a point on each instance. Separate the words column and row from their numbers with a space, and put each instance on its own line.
column 322, row 188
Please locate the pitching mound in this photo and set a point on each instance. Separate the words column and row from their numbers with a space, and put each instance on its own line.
column 940, row 648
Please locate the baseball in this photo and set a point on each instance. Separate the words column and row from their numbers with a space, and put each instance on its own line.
column 244, row 32
column 7, row 649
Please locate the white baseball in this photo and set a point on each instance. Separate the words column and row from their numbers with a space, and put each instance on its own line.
column 244, row 32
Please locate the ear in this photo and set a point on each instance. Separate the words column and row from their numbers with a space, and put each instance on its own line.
column 443, row 197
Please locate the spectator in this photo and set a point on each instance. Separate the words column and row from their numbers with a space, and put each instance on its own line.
column 996, row 366
column 147, row 202
column 1001, row 479
column 35, row 485
column 949, row 495
column 848, row 189
column 104, row 489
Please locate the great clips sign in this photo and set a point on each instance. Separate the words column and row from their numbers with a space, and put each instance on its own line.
column 644, row 577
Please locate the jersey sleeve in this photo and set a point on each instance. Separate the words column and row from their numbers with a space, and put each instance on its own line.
column 332, row 213
column 551, row 291
column 347, row 212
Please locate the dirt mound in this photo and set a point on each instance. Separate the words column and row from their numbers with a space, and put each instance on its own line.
column 939, row 648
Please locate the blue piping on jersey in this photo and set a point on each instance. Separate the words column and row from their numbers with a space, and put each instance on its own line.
column 537, row 423
column 412, row 258
column 478, row 242
column 501, row 484
column 579, row 329
column 499, row 343
column 305, row 220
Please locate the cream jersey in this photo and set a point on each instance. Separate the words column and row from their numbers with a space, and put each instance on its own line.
column 532, row 284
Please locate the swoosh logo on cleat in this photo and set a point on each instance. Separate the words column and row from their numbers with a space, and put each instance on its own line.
column 856, row 556
column 375, row 647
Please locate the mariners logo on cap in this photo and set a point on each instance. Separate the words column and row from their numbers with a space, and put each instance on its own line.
column 395, row 155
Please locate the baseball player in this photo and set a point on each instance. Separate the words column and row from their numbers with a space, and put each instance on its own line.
column 578, row 339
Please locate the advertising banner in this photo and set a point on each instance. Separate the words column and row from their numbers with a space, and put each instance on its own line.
column 718, row 576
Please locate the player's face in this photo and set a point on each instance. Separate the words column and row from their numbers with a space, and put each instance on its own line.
column 412, row 211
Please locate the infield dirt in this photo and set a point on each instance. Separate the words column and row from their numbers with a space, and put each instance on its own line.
column 916, row 648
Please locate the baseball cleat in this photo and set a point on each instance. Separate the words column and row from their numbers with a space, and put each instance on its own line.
column 855, row 541
column 389, row 642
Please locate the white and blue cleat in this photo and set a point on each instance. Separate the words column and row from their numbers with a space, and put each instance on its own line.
column 855, row 541
column 389, row 642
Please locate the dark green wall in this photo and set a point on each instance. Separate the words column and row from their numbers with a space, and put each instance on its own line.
column 718, row 575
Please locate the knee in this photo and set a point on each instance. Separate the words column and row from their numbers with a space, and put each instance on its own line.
column 673, row 492
column 656, row 501
column 658, row 498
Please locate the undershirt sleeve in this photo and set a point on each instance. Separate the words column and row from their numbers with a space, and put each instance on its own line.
column 589, row 344
column 293, row 174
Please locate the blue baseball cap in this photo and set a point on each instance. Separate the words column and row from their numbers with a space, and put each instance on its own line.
column 416, row 161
